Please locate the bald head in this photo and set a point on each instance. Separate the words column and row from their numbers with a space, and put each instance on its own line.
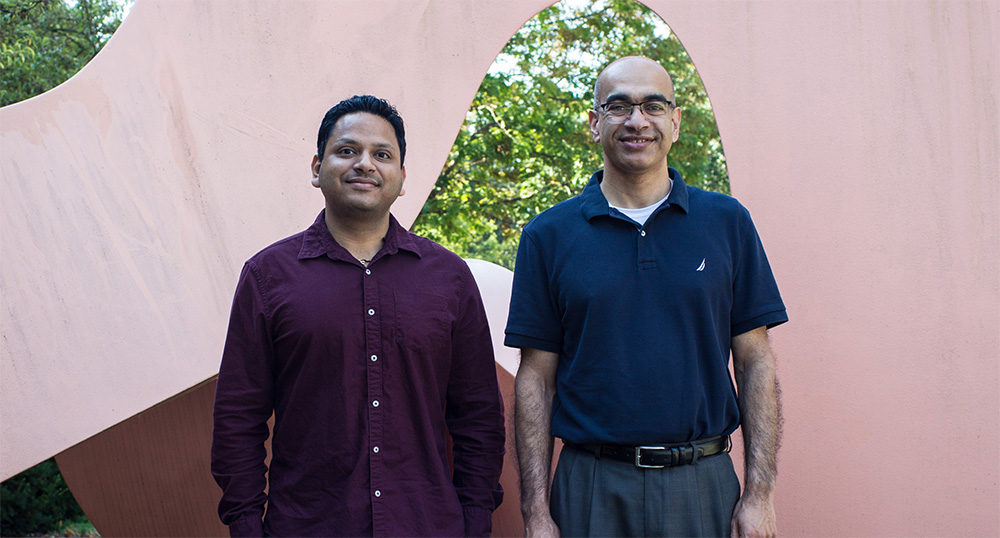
column 635, row 145
column 631, row 66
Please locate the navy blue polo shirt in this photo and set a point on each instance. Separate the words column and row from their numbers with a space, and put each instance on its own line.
column 642, row 316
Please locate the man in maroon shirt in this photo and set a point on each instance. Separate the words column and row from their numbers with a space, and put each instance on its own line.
column 370, row 345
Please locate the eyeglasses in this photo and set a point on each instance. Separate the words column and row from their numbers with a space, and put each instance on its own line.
column 620, row 111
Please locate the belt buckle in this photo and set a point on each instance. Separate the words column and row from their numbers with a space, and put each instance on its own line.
column 638, row 457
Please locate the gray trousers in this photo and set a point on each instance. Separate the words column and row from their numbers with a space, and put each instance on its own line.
column 603, row 497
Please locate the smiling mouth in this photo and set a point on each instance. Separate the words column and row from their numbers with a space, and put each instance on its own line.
column 636, row 139
column 362, row 182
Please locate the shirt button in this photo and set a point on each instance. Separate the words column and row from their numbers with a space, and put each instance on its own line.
column 642, row 233
column 371, row 311
column 378, row 493
column 375, row 403
column 368, row 271
column 374, row 358
column 375, row 450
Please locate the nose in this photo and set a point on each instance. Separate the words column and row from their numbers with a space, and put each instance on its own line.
column 636, row 118
column 364, row 163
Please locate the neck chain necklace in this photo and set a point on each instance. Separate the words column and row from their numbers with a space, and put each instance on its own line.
column 365, row 262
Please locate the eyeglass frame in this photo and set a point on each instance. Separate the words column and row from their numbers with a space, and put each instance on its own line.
column 603, row 107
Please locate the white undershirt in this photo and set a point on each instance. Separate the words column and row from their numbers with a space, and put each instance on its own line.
column 642, row 214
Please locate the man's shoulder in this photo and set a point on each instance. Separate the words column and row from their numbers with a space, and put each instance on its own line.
column 430, row 247
column 279, row 251
column 431, row 250
column 701, row 200
column 558, row 216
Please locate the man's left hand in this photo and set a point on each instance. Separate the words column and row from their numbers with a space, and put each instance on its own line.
column 754, row 519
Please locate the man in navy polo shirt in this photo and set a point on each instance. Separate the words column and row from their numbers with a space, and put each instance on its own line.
column 627, row 302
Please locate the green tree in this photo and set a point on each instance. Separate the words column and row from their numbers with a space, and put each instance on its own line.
column 45, row 42
column 36, row 501
column 525, row 144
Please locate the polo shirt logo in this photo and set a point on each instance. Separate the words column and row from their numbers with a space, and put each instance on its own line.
column 702, row 266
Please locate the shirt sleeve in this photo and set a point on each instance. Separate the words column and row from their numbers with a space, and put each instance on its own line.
column 474, row 414
column 533, row 320
column 243, row 405
column 756, row 301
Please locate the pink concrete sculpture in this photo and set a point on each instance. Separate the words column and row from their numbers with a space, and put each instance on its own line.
column 863, row 136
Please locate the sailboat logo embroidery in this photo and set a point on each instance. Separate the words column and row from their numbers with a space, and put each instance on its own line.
column 702, row 266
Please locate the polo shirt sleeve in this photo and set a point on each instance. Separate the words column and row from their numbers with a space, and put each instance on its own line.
column 533, row 320
column 756, row 301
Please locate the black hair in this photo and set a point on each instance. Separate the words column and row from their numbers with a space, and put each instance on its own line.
column 362, row 103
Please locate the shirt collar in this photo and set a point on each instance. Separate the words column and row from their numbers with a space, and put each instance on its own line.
column 317, row 241
column 595, row 204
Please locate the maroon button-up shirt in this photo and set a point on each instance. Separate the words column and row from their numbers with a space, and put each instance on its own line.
column 366, row 371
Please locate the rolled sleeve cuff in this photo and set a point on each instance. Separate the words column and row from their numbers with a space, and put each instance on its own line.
column 478, row 521
column 248, row 526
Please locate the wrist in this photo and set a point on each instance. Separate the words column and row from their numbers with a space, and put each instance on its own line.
column 534, row 511
column 759, row 493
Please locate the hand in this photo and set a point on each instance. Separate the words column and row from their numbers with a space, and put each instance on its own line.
column 541, row 527
column 754, row 519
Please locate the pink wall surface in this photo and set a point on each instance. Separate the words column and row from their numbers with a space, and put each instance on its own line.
column 863, row 137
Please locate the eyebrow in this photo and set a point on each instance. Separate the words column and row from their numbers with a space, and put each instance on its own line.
column 351, row 141
column 649, row 97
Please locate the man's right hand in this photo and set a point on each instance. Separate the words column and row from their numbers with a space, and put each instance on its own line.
column 541, row 527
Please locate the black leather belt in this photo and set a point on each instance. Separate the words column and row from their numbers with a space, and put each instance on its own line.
column 659, row 456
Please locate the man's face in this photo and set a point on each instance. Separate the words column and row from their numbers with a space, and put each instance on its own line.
column 639, row 144
column 360, row 172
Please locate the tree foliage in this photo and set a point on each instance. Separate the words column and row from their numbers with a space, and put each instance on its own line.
column 45, row 42
column 525, row 144
column 36, row 501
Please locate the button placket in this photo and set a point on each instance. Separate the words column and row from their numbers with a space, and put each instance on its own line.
column 376, row 311
column 644, row 249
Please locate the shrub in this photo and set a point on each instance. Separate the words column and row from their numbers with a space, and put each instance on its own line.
column 36, row 501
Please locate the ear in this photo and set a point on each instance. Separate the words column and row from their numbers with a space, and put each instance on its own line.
column 402, row 179
column 592, row 119
column 675, row 120
column 315, row 170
